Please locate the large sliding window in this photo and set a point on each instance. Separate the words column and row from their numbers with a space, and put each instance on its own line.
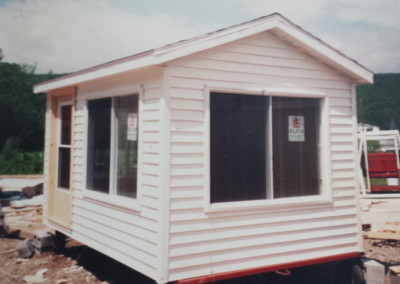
column 113, row 145
column 263, row 147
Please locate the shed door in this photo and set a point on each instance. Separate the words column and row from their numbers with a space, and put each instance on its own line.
column 60, row 186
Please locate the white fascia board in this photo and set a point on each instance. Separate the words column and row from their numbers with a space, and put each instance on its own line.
column 362, row 73
column 71, row 80
column 161, row 55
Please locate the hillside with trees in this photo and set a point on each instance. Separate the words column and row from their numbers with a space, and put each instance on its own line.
column 21, row 119
column 379, row 103
column 22, row 114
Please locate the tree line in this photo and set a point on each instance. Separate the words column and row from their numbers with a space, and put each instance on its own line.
column 379, row 104
column 22, row 114
column 21, row 119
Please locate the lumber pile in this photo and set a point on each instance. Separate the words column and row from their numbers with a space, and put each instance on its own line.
column 23, row 222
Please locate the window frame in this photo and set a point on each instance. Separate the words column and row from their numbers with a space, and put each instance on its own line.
column 326, row 193
column 59, row 144
column 111, row 198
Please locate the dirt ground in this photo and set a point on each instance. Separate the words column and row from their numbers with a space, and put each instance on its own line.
column 77, row 264
column 386, row 252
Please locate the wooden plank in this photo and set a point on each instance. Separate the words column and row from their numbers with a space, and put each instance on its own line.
column 395, row 269
column 385, row 226
column 387, row 235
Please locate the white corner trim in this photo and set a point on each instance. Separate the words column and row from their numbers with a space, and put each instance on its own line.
column 164, row 194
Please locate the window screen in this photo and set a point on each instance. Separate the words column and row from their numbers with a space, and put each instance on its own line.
column 238, row 147
column 99, row 137
column 126, row 111
column 295, row 146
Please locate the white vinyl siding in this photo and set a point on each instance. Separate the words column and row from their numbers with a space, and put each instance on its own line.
column 211, row 242
column 130, row 236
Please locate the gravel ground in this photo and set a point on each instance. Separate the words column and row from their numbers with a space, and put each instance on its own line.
column 76, row 265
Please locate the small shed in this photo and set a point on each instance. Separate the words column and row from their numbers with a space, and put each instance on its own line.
column 226, row 154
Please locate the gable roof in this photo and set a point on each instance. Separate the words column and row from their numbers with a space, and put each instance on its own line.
column 275, row 23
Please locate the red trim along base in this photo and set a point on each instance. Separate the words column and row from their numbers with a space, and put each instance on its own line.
column 259, row 270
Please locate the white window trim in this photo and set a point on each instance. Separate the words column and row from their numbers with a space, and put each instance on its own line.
column 111, row 198
column 326, row 196
column 60, row 105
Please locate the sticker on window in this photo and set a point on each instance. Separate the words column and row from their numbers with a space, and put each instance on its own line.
column 296, row 128
column 132, row 126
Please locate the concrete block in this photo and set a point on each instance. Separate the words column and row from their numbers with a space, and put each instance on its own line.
column 374, row 272
column 394, row 278
column 25, row 248
column 42, row 241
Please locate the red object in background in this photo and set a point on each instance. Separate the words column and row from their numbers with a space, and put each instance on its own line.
column 383, row 165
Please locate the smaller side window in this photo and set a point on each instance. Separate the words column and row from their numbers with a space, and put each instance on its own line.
column 112, row 156
column 64, row 146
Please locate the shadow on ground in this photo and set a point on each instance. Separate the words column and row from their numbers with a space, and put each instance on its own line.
column 103, row 267
column 107, row 269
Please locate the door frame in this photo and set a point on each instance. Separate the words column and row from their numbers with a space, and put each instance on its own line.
column 59, row 201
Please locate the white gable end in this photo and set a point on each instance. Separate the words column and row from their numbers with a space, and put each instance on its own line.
column 275, row 23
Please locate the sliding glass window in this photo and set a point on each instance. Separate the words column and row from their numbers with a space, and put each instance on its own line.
column 113, row 145
column 241, row 130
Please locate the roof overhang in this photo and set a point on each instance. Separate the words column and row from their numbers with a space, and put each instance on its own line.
column 275, row 23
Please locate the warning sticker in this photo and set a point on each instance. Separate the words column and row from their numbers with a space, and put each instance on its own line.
column 132, row 124
column 296, row 128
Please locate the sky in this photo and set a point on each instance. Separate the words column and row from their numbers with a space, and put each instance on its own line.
column 63, row 36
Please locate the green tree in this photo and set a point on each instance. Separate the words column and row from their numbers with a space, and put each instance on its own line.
column 379, row 103
column 21, row 117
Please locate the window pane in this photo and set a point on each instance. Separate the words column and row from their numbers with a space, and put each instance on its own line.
column 64, row 156
column 238, row 145
column 295, row 146
column 126, row 111
column 99, row 136
column 65, row 125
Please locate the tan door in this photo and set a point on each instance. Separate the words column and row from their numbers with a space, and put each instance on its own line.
column 60, row 161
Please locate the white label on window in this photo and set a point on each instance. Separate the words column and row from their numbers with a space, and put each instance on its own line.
column 296, row 128
column 132, row 125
